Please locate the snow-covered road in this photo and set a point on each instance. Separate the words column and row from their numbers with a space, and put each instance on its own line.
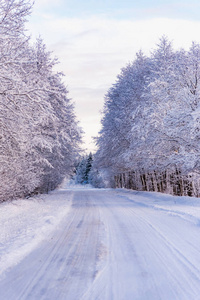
column 102, row 244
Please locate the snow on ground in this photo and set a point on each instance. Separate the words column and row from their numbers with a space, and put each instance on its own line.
column 101, row 244
column 187, row 208
column 25, row 223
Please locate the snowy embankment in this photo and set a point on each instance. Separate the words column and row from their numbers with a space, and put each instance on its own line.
column 187, row 208
column 25, row 223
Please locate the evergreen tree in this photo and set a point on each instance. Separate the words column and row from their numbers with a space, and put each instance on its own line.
column 83, row 169
column 88, row 167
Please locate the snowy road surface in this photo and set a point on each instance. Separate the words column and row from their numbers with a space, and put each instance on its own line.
column 100, row 244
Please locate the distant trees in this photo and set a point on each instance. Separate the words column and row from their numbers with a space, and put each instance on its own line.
column 83, row 169
column 39, row 134
column 150, row 127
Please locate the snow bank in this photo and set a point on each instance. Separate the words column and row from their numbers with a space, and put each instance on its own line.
column 185, row 207
column 26, row 223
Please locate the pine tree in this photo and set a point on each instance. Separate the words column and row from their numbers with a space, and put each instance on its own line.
column 83, row 169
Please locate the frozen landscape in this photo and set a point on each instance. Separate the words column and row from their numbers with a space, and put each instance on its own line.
column 78, row 242
column 100, row 244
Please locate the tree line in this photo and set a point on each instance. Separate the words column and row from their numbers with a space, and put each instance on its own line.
column 151, row 123
column 39, row 133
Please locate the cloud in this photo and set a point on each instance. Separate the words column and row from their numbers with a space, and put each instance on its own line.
column 39, row 4
column 133, row 10
column 92, row 51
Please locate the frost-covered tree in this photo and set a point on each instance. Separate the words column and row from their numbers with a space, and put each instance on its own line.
column 39, row 134
column 124, row 104
column 150, row 126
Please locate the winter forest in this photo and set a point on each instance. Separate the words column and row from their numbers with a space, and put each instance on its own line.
column 151, row 124
column 39, row 137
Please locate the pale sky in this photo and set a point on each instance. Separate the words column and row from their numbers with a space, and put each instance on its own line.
column 94, row 39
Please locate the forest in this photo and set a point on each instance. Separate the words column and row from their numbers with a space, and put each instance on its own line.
column 39, row 133
column 151, row 124
column 150, row 132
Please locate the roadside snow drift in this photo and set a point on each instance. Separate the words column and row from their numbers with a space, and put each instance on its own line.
column 25, row 223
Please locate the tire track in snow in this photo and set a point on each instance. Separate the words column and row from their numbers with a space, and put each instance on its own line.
column 161, row 261
column 110, row 247
column 123, row 274
column 182, row 264
column 63, row 268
